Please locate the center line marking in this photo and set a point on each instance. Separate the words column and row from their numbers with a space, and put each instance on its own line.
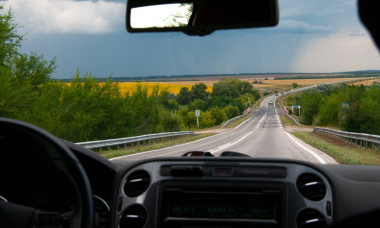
column 260, row 121
column 230, row 144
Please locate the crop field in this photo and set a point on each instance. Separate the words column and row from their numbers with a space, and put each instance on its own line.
column 172, row 87
column 300, row 82
column 175, row 86
column 368, row 82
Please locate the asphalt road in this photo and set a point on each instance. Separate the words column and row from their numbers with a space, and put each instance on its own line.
column 261, row 136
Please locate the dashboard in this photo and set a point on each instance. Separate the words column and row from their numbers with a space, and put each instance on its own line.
column 187, row 191
column 224, row 194
column 244, row 192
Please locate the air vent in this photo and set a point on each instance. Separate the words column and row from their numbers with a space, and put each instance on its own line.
column 137, row 183
column 133, row 217
column 311, row 187
column 310, row 218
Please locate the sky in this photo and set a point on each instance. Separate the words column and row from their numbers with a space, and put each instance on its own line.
column 313, row 36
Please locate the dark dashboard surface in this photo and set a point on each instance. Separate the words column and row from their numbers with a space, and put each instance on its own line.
column 198, row 192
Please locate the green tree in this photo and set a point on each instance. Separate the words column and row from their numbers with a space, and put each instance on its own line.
column 183, row 97
column 231, row 111
column 206, row 120
column 310, row 103
column 227, row 87
column 233, row 87
column 218, row 115
column 198, row 91
column 10, row 40
column 169, row 121
column 32, row 69
column 197, row 104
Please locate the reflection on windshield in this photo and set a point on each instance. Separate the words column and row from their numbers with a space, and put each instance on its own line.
column 161, row 16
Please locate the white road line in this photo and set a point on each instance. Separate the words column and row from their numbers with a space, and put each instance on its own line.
column 225, row 145
column 152, row 151
column 275, row 109
column 260, row 121
column 242, row 123
column 230, row 144
column 311, row 152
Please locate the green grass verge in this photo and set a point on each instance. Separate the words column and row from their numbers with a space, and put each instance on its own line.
column 237, row 122
column 287, row 122
column 342, row 152
column 154, row 146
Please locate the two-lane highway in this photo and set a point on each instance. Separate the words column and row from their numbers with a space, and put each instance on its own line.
column 261, row 136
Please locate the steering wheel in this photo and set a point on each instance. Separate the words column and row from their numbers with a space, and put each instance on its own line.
column 63, row 161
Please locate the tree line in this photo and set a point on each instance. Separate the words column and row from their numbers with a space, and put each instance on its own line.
column 89, row 109
column 353, row 108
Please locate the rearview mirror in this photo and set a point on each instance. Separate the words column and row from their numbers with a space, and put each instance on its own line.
column 199, row 17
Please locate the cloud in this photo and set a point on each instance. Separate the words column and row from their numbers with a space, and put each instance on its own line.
column 339, row 52
column 322, row 8
column 68, row 16
column 300, row 27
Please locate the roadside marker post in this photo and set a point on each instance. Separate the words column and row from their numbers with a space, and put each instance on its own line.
column 197, row 114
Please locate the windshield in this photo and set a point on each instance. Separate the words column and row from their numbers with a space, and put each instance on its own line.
column 306, row 89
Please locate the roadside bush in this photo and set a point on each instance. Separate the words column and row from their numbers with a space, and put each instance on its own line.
column 196, row 104
column 218, row 115
column 206, row 120
column 169, row 121
column 231, row 111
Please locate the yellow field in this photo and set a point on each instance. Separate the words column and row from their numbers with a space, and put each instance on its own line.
column 301, row 82
column 175, row 86
column 367, row 82
column 191, row 83
column 126, row 87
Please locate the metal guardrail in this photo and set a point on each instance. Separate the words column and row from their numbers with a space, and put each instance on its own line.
column 238, row 117
column 291, row 117
column 352, row 137
column 131, row 140
column 232, row 120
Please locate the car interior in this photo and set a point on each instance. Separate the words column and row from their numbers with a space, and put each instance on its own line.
column 51, row 182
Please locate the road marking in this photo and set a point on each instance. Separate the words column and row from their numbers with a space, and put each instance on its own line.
column 230, row 144
column 224, row 146
column 242, row 123
column 311, row 152
column 151, row 151
column 275, row 109
column 260, row 121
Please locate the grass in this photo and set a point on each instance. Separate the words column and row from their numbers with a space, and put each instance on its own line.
column 237, row 122
column 154, row 146
column 287, row 122
column 341, row 151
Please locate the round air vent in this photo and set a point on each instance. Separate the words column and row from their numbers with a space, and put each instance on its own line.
column 311, row 187
column 137, row 183
column 310, row 218
column 133, row 217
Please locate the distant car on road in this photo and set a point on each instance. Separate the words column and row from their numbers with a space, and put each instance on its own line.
column 270, row 102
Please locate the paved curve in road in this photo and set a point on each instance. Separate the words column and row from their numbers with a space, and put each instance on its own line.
column 261, row 136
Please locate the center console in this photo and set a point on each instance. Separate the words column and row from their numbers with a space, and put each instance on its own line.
column 185, row 204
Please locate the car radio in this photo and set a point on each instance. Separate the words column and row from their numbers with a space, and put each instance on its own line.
column 215, row 205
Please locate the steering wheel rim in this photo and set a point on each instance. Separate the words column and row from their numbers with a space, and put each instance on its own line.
column 60, row 156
